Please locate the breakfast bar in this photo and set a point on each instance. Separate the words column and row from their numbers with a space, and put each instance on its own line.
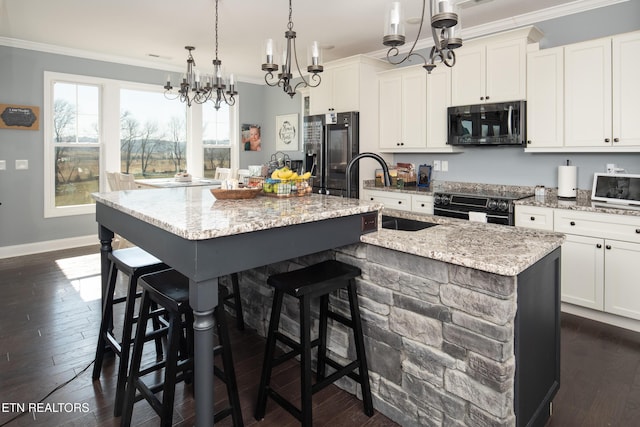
column 204, row 239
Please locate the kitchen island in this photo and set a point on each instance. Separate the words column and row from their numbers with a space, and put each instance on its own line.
column 204, row 239
column 462, row 320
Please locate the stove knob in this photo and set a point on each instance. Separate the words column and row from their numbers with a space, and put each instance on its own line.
column 446, row 199
column 437, row 199
column 493, row 204
column 503, row 206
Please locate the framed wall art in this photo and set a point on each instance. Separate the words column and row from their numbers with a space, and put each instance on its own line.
column 287, row 132
column 251, row 137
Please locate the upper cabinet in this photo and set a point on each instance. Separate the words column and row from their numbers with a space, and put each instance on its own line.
column 346, row 85
column 545, row 98
column 492, row 69
column 413, row 109
column 339, row 90
column 583, row 97
column 403, row 108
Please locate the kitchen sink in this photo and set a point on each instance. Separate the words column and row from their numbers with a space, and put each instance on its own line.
column 404, row 224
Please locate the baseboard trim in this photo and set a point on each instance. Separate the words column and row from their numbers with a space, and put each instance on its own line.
column 599, row 316
column 47, row 246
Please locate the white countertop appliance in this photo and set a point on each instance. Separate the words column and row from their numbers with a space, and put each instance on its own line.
column 616, row 189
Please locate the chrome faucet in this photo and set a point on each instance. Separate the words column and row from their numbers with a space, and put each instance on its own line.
column 386, row 177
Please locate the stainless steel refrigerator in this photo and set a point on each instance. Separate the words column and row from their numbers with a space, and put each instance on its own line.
column 331, row 141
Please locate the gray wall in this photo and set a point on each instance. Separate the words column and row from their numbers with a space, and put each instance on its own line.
column 21, row 192
column 509, row 165
column 264, row 103
column 21, row 82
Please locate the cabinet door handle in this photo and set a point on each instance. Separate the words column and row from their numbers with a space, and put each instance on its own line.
column 637, row 230
column 399, row 202
column 608, row 246
column 616, row 139
column 572, row 223
column 372, row 199
column 529, row 142
column 482, row 98
column 599, row 246
column 607, row 140
column 486, row 97
column 422, row 206
column 533, row 218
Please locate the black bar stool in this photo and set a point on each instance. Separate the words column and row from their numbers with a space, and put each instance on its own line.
column 233, row 301
column 170, row 291
column 317, row 280
column 133, row 262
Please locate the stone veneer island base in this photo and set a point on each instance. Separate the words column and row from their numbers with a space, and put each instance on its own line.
column 447, row 345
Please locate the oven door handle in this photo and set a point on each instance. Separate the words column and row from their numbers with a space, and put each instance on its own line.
column 510, row 120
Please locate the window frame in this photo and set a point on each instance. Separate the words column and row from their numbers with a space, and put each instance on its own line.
column 109, row 130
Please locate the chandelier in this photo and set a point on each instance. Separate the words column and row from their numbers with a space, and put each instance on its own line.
column 193, row 90
column 445, row 29
column 290, row 62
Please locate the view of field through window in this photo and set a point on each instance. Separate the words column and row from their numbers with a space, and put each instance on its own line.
column 153, row 138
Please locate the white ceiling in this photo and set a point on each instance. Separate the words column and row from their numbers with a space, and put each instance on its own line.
column 130, row 30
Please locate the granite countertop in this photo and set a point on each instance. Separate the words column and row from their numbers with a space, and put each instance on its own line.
column 582, row 202
column 492, row 248
column 194, row 214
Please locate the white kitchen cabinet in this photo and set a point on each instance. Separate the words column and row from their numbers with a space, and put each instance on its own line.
column 403, row 109
column 438, row 100
column 545, row 98
column 582, row 271
column 422, row 204
column 491, row 72
column 338, row 91
column 390, row 199
column 537, row 217
column 601, row 92
column 622, row 286
column 413, row 110
column 599, row 261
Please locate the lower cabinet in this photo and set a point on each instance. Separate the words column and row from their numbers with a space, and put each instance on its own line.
column 582, row 272
column 403, row 201
column 622, row 285
column 600, row 257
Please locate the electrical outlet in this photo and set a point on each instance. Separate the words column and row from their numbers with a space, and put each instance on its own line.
column 22, row 164
column 445, row 166
column 611, row 168
column 436, row 165
column 3, row 165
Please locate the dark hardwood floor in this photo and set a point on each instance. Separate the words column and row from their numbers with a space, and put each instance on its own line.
column 49, row 317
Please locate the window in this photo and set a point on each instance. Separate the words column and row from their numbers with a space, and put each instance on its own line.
column 73, row 140
column 153, row 134
column 94, row 125
column 216, row 138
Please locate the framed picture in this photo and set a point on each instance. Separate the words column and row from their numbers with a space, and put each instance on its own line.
column 251, row 137
column 287, row 132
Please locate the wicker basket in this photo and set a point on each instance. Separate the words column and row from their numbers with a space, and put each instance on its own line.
column 240, row 193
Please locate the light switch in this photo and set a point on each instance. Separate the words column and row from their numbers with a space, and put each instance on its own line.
column 445, row 166
column 3, row 165
column 22, row 164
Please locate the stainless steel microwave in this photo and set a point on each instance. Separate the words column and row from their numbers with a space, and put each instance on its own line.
column 502, row 123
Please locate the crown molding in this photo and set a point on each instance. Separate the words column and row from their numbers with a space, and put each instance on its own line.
column 525, row 19
column 86, row 54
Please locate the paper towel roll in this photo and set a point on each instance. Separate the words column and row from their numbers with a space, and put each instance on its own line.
column 567, row 181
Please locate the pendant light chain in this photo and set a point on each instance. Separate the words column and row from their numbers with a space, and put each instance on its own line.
column 216, row 29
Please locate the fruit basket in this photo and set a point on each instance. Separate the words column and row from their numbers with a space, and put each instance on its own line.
column 286, row 183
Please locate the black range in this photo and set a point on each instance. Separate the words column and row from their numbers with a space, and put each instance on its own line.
column 497, row 205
